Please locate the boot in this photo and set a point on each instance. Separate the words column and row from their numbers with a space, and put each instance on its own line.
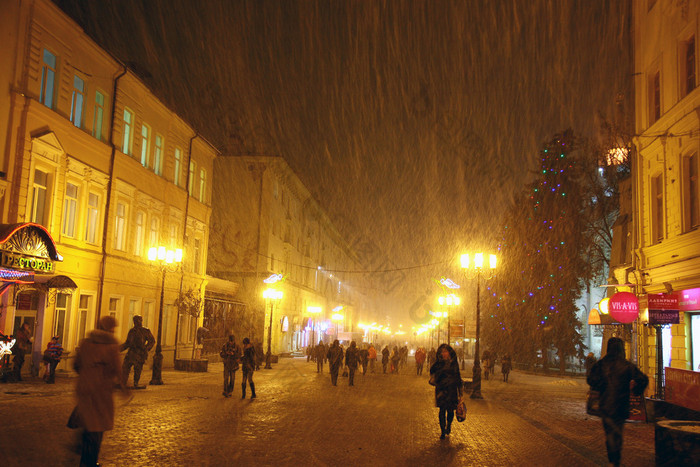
column 252, row 390
column 443, row 432
column 243, row 386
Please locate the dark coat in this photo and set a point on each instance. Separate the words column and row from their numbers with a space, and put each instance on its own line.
column 448, row 381
column 248, row 359
column 352, row 357
column 335, row 356
column 139, row 342
column 231, row 355
column 99, row 368
column 385, row 355
column 611, row 376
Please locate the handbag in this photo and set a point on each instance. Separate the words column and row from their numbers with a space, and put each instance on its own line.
column 593, row 403
column 461, row 412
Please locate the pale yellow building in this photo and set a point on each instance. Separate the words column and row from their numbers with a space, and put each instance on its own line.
column 88, row 153
column 266, row 222
column 666, row 194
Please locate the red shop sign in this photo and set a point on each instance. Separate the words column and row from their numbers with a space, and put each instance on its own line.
column 624, row 307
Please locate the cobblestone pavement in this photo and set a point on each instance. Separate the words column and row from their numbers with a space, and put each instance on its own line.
column 299, row 419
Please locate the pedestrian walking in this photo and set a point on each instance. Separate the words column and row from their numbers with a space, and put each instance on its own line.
column 432, row 356
column 364, row 359
column 248, row 362
column 614, row 377
column 352, row 359
column 395, row 358
column 52, row 356
column 506, row 366
column 139, row 341
column 420, row 360
column 320, row 356
column 259, row 354
column 372, row 357
column 230, row 355
column 385, row 357
column 448, row 386
column 589, row 362
column 23, row 346
column 403, row 356
column 335, row 358
column 99, row 369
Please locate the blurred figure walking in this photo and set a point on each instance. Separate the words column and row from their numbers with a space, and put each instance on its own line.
column 448, row 386
column 506, row 366
column 231, row 355
column 248, row 362
column 614, row 377
column 385, row 357
column 352, row 358
column 335, row 359
column 99, row 368
column 320, row 352
column 364, row 358
column 372, row 357
column 420, row 360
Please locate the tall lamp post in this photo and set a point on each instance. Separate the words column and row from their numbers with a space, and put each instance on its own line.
column 273, row 296
column 448, row 301
column 478, row 266
column 165, row 259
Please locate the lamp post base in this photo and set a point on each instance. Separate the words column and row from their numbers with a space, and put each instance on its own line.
column 156, row 377
column 476, row 383
column 268, row 360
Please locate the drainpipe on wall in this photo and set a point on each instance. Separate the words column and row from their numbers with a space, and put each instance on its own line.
column 184, row 239
column 110, row 183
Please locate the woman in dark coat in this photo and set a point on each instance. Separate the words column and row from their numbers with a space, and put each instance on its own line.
column 613, row 376
column 448, row 386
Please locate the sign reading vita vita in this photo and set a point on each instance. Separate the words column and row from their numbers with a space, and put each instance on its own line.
column 26, row 262
column 624, row 307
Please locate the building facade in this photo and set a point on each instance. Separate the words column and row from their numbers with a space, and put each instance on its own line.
column 665, row 179
column 264, row 223
column 92, row 157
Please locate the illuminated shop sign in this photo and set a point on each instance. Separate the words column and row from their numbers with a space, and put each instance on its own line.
column 27, row 263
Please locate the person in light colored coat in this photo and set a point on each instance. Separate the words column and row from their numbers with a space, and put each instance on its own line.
column 99, row 369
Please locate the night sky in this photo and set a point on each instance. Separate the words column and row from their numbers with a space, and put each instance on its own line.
column 413, row 123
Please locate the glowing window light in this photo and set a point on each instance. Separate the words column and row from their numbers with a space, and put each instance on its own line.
column 272, row 294
column 337, row 317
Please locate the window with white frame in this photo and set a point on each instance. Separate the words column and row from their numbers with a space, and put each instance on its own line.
column 154, row 234
column 93, row 218
column 134, row 309
column 139, row 229
column 84, row 311
column 77, row 103
column 202, row 185
column 70, row 208
column 190, row 179
column 128, row 132
column 654, row 97
column 691, row 196
column 115, row 311
column 39, row 214
column 145, row 144
column 177, row 169
column 173, row 235
column 98, row 115
column 48, row 79
column 120, row 226
column 148, row 314
column 62, row 317
column 158, row 156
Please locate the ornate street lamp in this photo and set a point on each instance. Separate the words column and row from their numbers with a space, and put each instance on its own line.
column 273, row 296
column 165, row 259
column 478, row 266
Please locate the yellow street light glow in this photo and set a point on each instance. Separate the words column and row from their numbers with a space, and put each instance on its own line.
column 152, row 253
column 603, row 306
column 161, row 253
column 464, row 260
column 337, row 317
column 492, row 261
column 478, row 260
column 313, row 309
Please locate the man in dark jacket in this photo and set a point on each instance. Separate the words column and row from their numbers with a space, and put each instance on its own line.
column 320, row 356
column 352, row 358
column 613, row 377
column 364, row 356
column 23, row 346
column 138, row 343
column 335, row 359
column 385, row 357
column 248, row 364
column 230, row 354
